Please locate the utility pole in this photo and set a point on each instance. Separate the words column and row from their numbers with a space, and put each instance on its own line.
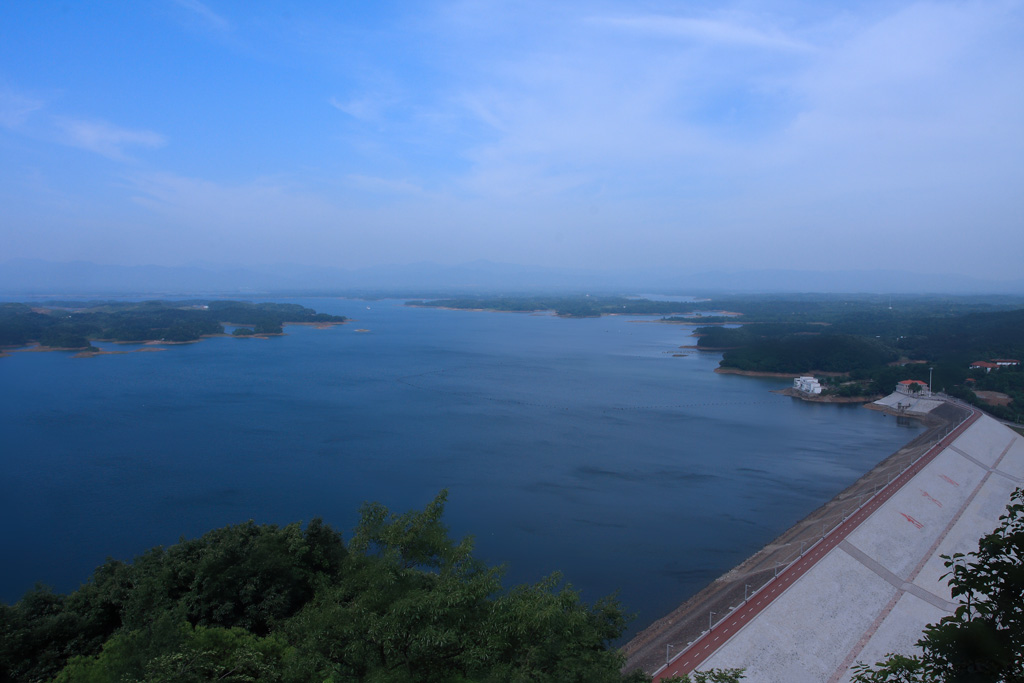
column 930, row 379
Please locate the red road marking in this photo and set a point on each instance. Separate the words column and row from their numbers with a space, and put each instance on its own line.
column 688, row 659
column 912, row 520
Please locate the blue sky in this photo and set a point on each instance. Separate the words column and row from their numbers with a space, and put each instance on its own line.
column 706, row 135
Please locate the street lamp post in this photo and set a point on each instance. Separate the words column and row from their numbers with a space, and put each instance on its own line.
column 710, row 617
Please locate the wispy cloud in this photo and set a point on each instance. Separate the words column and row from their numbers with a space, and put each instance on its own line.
column 15, row 109
column 475, row 104
column 210, row 18
column 105, row 138
column 242, row 221
column 261, row 203
column 709, row 30
column 370, row 108
column 385, row 186
column 30, row 116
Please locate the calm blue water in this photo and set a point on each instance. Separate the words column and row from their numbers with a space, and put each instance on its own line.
column 573, row 445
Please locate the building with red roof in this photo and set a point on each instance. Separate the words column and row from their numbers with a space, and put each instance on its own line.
column 907, row 387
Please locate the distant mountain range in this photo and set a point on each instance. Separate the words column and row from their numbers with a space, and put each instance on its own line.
column 80, row 278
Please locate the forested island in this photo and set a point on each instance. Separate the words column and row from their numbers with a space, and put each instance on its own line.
column 864, row 344
column 400, row 602
column 75, row 324
column 578, row 306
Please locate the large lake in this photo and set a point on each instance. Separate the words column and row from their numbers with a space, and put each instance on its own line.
column 575, row 445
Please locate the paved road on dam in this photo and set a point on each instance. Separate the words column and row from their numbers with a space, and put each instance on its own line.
column 720, row 633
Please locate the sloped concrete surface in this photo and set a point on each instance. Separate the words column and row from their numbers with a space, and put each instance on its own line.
column 898, row 631
column 781, row 645
column 1013, row 464
column 875, row 591
column 985, row 441
column 914, row 406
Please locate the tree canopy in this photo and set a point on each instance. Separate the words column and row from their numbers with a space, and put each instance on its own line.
column 401, row 602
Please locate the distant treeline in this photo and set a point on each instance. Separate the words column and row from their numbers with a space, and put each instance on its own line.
column 73, row 324
column 567, row 306
column 856, row 309
column 400, row 602
column 874, row 352
column 797, row 352
column 873, row 341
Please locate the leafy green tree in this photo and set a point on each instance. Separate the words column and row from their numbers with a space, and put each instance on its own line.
column 409, row 605
column 983, row 641
column 247, row 575
column 545, row 632
column 416, row 606
column 185, row 654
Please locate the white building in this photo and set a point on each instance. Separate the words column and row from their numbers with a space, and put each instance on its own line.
column 807, row 384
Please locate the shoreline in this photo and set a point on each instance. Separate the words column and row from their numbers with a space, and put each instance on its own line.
column 696, row 322
column 782, row 375
column 552, row 312
column 85, row 352
column 90, row 354
column 712, row 349
column 533, row 311
column 824, row 398
column 685, row 623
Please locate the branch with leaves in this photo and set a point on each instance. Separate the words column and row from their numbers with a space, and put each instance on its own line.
column 983, row 640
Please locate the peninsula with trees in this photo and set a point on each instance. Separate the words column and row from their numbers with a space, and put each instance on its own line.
column 858, row 355
column 76, row 324
column 860, row 345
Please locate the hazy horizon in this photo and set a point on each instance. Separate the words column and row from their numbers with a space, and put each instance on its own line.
column 32, row 277
column 780, row 135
